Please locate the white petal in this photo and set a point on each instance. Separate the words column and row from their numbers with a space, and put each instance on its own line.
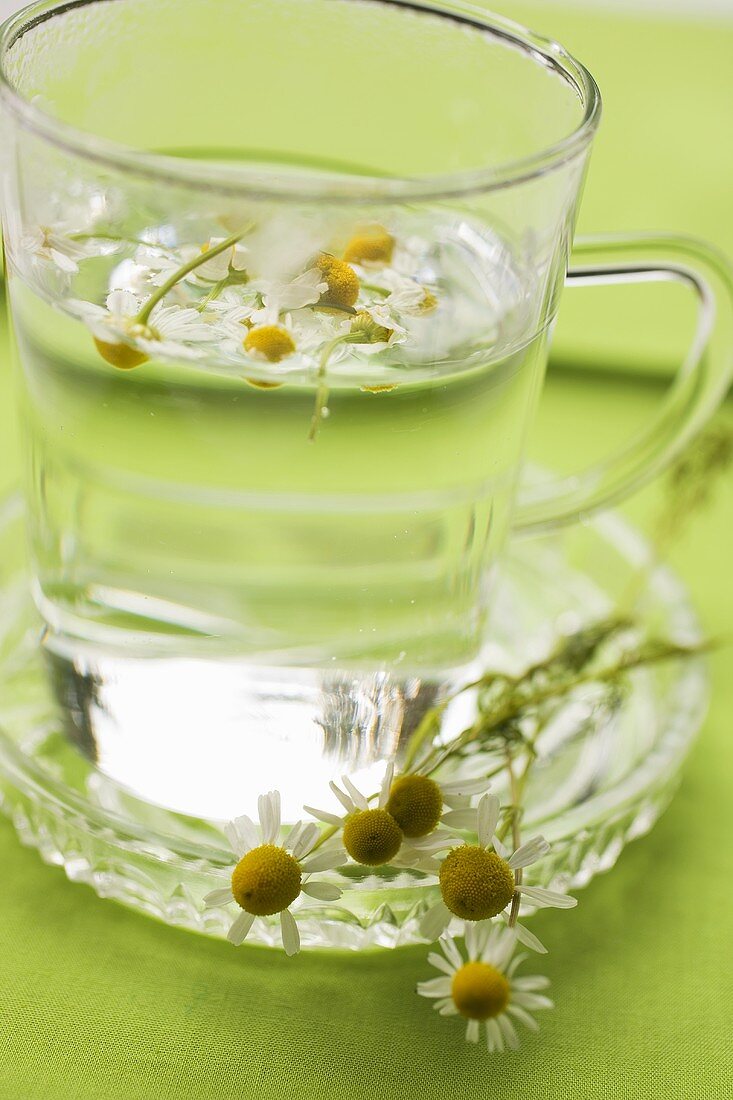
column 344, row 799
column 215, row 898
column 359, row 800
column 236, row 841
column 448, row 946
column 323, row 815
column 292, row 838
column 523, row 1017
column 535, row 1001
column 487, row 816
column 324, row 891
column 123, row 303
column 529, row 852
column 386, row 785
column 434, row 987
column 64, row 263
column 528, row 939
column 473, row 1031
column 532, row 982
column 494, row 1040
column 306, row 840
column 509, row 1031
column 435, row 921
column 268, row 806
column 460, row 819
column 440, row 963
column 499, row 848
column 247, row 832
column 289, row 932
column 240, row 928
column 548, row 898
column 326, row 860
column 465, row 787
column 446, row 1007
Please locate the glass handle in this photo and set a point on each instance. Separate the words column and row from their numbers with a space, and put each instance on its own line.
column 697, row 389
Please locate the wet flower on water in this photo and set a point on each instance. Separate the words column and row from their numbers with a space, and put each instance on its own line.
column 478, row 881
column 484, row 987
column 270, row 876
column 371, row 835
column 54, row 247
column 269, row 342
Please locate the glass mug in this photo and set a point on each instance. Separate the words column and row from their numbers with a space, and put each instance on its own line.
column 281, row 276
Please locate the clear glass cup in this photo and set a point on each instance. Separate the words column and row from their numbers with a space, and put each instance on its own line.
column 281, row 277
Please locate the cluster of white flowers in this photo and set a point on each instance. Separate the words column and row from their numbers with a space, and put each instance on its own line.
column 243, row 298
column 410, row 823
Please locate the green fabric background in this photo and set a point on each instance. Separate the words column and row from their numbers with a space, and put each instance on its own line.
column 98, row 1003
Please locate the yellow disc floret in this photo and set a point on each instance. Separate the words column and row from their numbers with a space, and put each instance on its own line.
column 120, row 355
column 266, row 880
column 479, row 991
column 372, row 837
column 368, row 331
column 373, row 245
column 416, row 804
column 271, row 342
column 475, row 884
column 342, row 284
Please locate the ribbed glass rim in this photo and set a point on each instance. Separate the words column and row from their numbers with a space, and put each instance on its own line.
column 249, row 182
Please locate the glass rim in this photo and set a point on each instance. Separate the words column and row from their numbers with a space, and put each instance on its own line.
column 333, row 187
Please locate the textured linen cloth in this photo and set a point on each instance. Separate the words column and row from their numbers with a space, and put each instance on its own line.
column 100, row 1003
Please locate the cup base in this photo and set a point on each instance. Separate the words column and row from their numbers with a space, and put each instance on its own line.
column 603, row 780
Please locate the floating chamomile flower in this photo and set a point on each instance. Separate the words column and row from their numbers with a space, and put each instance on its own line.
column 484, row 988
column 372, row 245
column 477, row 881
column 125, row 342
column 342, row 283
column 269, row 877
column 417, row 802
column 54, row 247
column 269, row 342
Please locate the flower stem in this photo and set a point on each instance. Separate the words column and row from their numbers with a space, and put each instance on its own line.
column 516, row 789
column 181, row 273
column 322, row 387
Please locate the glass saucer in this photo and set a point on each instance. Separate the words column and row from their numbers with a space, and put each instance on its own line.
column 602, row 778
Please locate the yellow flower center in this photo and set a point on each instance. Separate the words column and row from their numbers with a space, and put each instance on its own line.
column 273, row 342
column 368, row 330
column 479, row 991
column 372, row 837
column 120, row 355
column 416, row 804
column 428, row 303
column 370, row 246
column 475, row 884
column 261, row 385
column 266, row 880
column 342, row 284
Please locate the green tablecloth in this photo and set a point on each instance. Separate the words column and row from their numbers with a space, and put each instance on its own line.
column 99, row 1003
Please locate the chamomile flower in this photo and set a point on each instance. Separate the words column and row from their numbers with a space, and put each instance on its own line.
column 478, row 881
column 53, row 247
column 484, row 987
column 125, row 342
column 269, row 876
column 370, row 834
